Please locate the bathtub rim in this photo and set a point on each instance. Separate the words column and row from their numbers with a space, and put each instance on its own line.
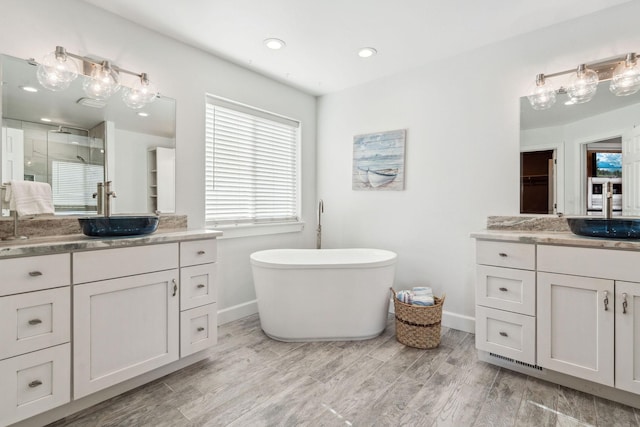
column 317, row 263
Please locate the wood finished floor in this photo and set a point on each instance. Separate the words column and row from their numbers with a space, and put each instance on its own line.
column 251, row 380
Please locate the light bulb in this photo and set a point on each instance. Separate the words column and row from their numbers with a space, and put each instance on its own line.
column 542, row 95
column 626, row 77
column 140, row 94
column 102, row 83
column 583, row 85
column 57, row 70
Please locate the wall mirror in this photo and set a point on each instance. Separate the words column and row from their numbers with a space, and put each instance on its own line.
column 567, row 151
column 84, row 142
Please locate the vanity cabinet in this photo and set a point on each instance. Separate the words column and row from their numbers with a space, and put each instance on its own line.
column 505, row 298
column 627, row 362
column 198, row 312
column 128, row 325
column 35, row 354
column 584, row 328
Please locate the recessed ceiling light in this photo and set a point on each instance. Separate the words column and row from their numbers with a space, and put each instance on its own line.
column 44, row 119
column 367, row 52
column 274, row 44
column 90, row 102
column 28, row 88
column 143, row 114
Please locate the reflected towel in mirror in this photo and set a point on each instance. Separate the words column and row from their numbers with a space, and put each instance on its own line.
column 30, row 198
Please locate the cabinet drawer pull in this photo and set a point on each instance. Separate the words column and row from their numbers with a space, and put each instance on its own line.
column 624, row 303
column 201, row 252
column 175, row 287
column 504, row 334
column 606, row 301
column 35, row 322
column 502, row 254
column 503, row 289
column 35, row 273
column 200, row 329
column 35, row 383
column 200, row 286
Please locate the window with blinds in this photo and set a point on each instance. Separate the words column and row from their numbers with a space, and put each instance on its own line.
column 252, row 165
column 73, row 185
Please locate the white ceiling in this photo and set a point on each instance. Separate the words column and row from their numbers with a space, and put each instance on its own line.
column 323, row 36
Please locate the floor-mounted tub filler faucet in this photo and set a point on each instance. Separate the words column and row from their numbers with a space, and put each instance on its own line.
column 319, row 229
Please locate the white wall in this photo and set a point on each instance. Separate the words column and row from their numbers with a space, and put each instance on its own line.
column 32, row 28
column 462, row 121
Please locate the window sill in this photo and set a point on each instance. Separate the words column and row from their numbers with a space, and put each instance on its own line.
column 250, row 230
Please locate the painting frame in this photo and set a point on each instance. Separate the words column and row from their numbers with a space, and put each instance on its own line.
column 379, row 161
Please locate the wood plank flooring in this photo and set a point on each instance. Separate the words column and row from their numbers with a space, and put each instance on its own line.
column 251, row 380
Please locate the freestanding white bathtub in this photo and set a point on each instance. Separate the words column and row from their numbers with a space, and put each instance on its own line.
column 323, row 294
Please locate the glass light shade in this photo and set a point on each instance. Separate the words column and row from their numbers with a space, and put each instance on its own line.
column 626, row 77
column 542, row 95
column 140, row 94
column 583, row 85
column 57, row 71
column 102, row 83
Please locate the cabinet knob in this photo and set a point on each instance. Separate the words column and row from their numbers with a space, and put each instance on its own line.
column 201, row 252
column 606, row 301
column 502, row 254
column 200, row 286
column 35, row 273
column 503, row 289
column 200, row 329
column 33, row 322
column 504, row 334
column 35, row 383
column 624, row 303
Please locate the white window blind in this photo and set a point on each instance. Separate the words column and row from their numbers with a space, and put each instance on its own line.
column 252, row 169
column 73, row 184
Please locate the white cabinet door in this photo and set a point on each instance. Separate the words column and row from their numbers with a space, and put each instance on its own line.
column 628, row 336
column 123, row 328
column 575, row 326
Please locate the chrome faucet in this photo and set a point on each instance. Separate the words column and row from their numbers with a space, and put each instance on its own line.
column 319, row 229
column 108, row 194
column 607, row 201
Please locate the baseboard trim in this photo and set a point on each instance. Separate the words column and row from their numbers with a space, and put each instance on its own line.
column 459, row 322
column 236, row 312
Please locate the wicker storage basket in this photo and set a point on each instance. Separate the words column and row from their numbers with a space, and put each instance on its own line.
column 418, row 326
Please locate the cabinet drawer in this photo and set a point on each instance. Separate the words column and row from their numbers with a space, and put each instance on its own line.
column 34, row 383
column 600, row 263
column 198, row 252
column 198, row 329
column 507, row 334
column 503, row 254
column 34, row 273
column 121, row 262
column 197, row 285
column 34, row 320
column 506, row 289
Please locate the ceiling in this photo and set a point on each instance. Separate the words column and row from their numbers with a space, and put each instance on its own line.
column 323, row 36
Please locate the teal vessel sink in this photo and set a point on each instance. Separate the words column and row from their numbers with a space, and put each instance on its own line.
column 613, row 228
column 118, row 225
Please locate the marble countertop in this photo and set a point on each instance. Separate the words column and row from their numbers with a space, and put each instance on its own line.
column 80, row 242
column 555, row 238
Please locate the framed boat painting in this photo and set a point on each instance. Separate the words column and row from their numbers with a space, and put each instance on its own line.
column 378, row 161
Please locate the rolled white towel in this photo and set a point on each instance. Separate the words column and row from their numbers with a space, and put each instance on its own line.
column 404, row 296
column 423, row 300
column 422, row 290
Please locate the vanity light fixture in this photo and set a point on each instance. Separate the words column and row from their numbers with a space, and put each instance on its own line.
column 367, row 52
column 275, row 44
column 622, row 71
column 102, row 79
